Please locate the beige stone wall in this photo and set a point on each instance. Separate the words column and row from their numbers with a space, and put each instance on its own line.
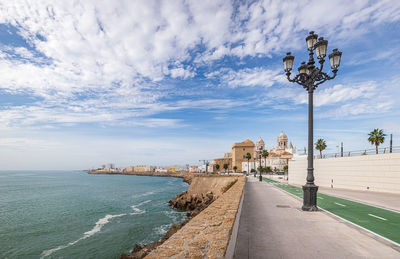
column 238, row 155
column 379, row 173
column 203, row 184
column 206, row 235
column 221, row 162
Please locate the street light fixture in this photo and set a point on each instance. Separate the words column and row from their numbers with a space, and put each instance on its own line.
column 259, row 164
column 310, row 77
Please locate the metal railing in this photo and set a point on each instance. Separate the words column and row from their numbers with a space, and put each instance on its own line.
column 372, row 151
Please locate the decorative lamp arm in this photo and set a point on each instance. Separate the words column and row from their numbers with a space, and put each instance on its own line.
column 325, row 77
column 321, row 62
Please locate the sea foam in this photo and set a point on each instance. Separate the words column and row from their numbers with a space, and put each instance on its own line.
column 97, row 228
column 136, row 210
column 143, row 194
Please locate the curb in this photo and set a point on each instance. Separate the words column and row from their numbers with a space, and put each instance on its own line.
column 230, row 250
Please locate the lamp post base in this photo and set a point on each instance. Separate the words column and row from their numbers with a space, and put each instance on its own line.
column 260, row 178
column 310, row 197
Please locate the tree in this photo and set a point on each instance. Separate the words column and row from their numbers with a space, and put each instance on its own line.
column 265, row 154
column 320, row 145
column 235, row 168
column 248, row 157
column 376, row 137
column 225, row 167
column 217, row 167
column 268, row 169
column 286, row 168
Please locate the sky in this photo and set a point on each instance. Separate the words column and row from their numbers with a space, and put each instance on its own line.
column 83, row 83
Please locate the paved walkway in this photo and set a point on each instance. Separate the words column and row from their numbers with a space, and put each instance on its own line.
column 384, row 200
column 380, row 199
column 272, row 225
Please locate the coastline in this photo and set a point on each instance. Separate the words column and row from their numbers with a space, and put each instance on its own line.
column 203, row 191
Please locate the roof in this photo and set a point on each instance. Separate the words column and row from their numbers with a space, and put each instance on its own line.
column 282, row 135
column 246, row 143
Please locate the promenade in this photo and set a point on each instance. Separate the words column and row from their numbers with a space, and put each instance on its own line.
column 272, row 225
column 385, row 200
column 389, row 201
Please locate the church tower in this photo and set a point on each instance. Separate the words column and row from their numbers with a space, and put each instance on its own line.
column 260, row 146
column 282, row 142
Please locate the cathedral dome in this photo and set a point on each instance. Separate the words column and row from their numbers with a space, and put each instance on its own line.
column 282, row 136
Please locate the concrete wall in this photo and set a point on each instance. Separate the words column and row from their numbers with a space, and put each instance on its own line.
column 379, row 173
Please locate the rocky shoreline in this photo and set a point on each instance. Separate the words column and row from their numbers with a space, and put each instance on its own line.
column 194, row 204
column 203, row 190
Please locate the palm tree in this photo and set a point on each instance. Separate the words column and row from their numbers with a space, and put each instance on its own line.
column 234, row 169
column 376, row 137
column 226, row 167
column 320, row 145
column 286, row 168
column 265, row 154
column 217, row 167
column 248, row 157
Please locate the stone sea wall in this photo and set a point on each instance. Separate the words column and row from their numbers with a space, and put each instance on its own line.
column 207, row 234
column 212, row 202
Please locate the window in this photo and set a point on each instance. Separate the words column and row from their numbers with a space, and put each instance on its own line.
column 244, row 149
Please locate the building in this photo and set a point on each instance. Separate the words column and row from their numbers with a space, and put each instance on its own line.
column 161, row 170
column 227, row 159
column 193, row 169
column 139, row 169
column 239, row 152
column 278, row 157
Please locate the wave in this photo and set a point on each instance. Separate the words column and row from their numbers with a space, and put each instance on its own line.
column 99, row 224
column 162, row 230
column 143, row 194
column 175, row 216
column 136, row 210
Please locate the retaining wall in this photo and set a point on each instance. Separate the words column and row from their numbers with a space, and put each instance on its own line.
column 206, row 235
column 379, row 173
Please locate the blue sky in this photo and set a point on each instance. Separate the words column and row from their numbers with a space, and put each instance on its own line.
column 84, row 83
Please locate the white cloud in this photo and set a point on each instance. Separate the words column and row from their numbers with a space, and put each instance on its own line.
column 181, row 73
column 113, row 54
column 341, row 93
column 344, row 101
column 249, row 77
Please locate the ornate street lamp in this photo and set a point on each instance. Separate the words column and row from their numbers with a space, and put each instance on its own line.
column 310, row 77
column 259, row 164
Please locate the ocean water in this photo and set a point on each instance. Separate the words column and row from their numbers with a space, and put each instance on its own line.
column 71, row 214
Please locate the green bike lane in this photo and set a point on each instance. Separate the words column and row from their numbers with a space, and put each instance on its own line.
column 383, row 222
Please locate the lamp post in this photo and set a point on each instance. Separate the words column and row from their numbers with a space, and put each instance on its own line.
column 259, row 164
column 310, row 77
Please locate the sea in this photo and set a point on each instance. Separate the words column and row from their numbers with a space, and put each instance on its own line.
column 72, row 214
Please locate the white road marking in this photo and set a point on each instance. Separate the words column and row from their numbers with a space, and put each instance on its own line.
column 340, row 204
column 372, row 215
